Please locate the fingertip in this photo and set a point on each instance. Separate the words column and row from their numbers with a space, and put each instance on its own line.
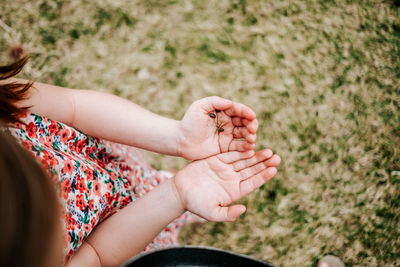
column 235, row 211
column 255, row 125
column 272, row 171
column 250, row 114
column 273, row 161
column 244, row 111
column 251, row 138
column 243, row 209
column 252, row 126
column 278, row 159
column 268, row 153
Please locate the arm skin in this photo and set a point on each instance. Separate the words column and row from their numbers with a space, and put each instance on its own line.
column 105, row 116
column 116, row 119
column 206, row 187
column 130, row 230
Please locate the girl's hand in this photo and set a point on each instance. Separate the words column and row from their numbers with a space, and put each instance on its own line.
column 208, row 187
column 214, row 125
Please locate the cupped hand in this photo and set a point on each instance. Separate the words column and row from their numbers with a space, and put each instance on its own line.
column 214, row 125
column 208, row 187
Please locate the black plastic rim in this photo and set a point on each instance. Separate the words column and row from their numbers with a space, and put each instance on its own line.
column 193, row 256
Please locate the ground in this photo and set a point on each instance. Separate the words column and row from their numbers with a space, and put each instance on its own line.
column 322, row 76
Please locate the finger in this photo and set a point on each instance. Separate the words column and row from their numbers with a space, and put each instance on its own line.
column 238, row 121
column 259, row 156
column 251, row 184
column 252, row 125
column 251, row 171
column 227, row 214
column 251, row 138
column 212, row 103
column 240, row 110
column 229, row 157
column 243, row 132
column 274, row 161
column 240, row 145
column 259, row 167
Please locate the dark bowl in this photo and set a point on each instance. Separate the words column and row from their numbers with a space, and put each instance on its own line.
column 191, row 256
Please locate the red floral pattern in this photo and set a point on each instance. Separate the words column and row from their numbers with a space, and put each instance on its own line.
column 94, row 178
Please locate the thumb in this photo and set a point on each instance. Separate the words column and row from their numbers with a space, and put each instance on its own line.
column 229, row 214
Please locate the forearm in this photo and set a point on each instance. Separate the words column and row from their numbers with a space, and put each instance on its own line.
column 105, row 116
column 119, row 120
column 86, row 256
column 129, row 231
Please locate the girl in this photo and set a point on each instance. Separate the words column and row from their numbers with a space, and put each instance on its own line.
column 96, row 177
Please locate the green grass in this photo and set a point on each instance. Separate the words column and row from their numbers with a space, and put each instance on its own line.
column 323, row 77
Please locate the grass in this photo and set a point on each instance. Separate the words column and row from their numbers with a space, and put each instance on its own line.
column 323, row 77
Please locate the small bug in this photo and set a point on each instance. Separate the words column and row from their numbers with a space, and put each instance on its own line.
column 219, row 127
column 218, row 124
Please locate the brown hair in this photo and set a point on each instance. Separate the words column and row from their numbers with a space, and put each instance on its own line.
column 29, row 208
column 12, row 92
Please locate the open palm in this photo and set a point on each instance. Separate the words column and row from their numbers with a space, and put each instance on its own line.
column 208, row 187
column 215, row 125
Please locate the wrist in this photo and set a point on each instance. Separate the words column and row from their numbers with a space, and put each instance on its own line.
column 176, row 199
column 179, row 140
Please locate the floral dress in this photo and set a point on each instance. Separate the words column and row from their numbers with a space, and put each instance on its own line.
column 94, row 178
